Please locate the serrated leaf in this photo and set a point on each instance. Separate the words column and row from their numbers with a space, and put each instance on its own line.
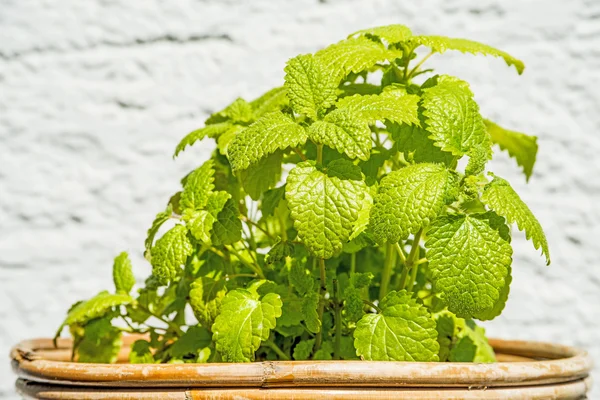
column 123, row 274
column 274, row 99
column 303, row 350
column 279, row 252
column 498, row 307
column 212, row 131
column 353, row 304
column 355, row 55
column 518, row 145
column 311, row 87
column 244, row 322
column 408, row 200
column 140, row 353
column 402, row 331
column 468, row 262
column 160, row 219
column 344, row 131
column 101, row 342
column 310, row 304
column 361, row 279
column 390, row 33
column 205, row 297
column 273, row 131
column 325, row 352
column 291, row 311
column 414, row 143
column 262, row 176
column 227, row 137
column 300, row 278
column 169, row 253
column 238, row 111
column 227, row 229
column 199, row 223
column 351, row 89
column 440, row 44
column 390, row 105
column 363, row 219
column 452, row 116
column 271, row 199
column 501, row 198
column 198, row 186
column 324, row 206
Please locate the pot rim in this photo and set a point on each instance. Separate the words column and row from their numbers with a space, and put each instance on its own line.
column 37, row 360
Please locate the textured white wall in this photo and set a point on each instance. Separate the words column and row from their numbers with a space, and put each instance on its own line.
column 94, row 95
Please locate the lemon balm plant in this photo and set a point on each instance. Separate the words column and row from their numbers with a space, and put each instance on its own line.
column 333, row 221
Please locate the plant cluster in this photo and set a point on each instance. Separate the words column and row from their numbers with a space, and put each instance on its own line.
column 344, row 215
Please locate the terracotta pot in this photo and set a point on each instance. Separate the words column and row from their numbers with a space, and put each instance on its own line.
column 526, row 370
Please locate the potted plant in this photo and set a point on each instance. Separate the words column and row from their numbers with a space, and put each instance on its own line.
column 346, row 215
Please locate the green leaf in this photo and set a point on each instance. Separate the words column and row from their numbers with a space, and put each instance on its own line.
column 391, row 105
column 141, row 353
column 463, row 351
column 212, row 131
column 205, row 297
column 95, row 307
column 325, row 352
column 273, row 131
column 324, row 206
column 344, row 131
column 310, row 304
column 244, row 322
column 518, row 145
column 414, row 143
column 468, row 262
column 500, row 304
column 169, row 253
column 274, row 99
column 190, row 344
column 409, row 199
column 353, row 304
column 303, row 350
column 361, row 279
column 101, row 342
column 291, row 311
column 402, row 331
column 355, row 55
column 311, row 87
column 440, row 44
column 227, row 229
column 452, row 116
column 262, row 176
column 501, row 197
column 238, row 111
column 478, row 157
column 300, row 278
column 227, row 137
column 160, row 219
column 390, row 33
column 351, row 89
column 200, row 223
column 122, row 273
column 198, row 186
column 363, row 219
column 484, row 353
column 279, row 252
column 271, row 199
column 445, row 328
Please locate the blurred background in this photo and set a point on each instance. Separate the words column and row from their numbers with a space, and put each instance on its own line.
column 95, row 95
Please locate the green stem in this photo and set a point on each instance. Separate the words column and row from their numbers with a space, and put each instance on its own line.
column 321, row 309
column 337, row 344
column 319, row 154
column 402, row 281
column 254, row 268
column 388, row 268
column 173, row 326
column 352, row 263
column 251, row 223
column 400, row 252
column 416, row 68
column 412, row 259
column 372, row 305
column 271, row 344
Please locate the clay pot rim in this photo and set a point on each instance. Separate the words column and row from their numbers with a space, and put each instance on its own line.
column 37, row 361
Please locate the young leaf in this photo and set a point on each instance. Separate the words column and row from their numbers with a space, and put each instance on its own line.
column 141, row 353
column 501, row 197
column 279, row 252
column 344, row 131
column 262, row 176
column 353, row 304
column 518, row 145
column 362, row 221
column 122, row 274
column 391, row 105
column 227, row 229
column 414, row 143
column 452, row 116
column 468, row 261
column 408, row 200
column 300, row 279
column 390, row 33
column 244, row 322
column 198, row 186
column 225, row 139
column 303, row 350
column 310, row 304
column 273, row 100
column 310, row 86
column 213, row 131
column 440, row 44
column 274, row 131
column 238, row 111
column 200, row 224
column 402, row 331
column 324, row 206
column 160, row 219
column 169, row 253
column 355, row 55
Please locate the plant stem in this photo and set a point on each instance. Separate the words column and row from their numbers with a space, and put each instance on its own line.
column 373, row 306
column 415, row 69
column 297, row 151
column 321, row 309
column 277, row 350
column 337, row 343
column 402, row 281
column 176, row 329
column 412, row 258
column 319, row 154
column 352, row 263
column 251, row 223
column 254, row 268
column 400, row 252
column 388, row 267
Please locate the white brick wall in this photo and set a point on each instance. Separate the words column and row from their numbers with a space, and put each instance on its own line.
column 95, row 94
